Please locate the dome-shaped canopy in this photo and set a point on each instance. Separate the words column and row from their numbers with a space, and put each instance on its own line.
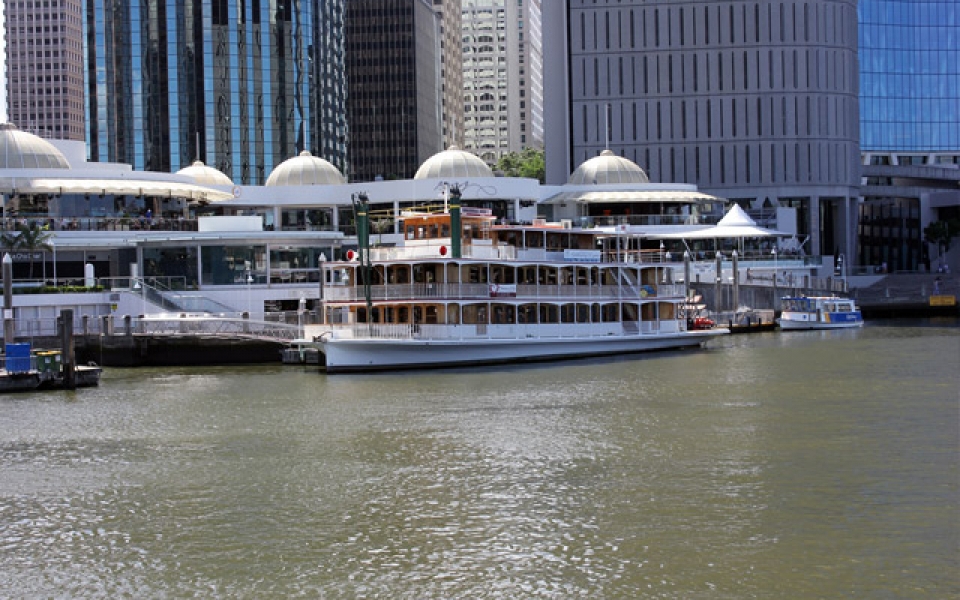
column 453, row 163
column 204, row 175
column 22, row 150
column 608, row 168
column 305, row 169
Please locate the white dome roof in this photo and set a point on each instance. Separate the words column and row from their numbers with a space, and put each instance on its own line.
column 608, row 168
column 204, row 175
column 305, row 169
column 452, row 163
column 22, row 150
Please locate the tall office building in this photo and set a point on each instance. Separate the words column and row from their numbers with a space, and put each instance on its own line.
column 909, row 127
column 240, row 85
column 44, row 57
column 755, row 100
column 451, row 72
column 502, row 76
column 396, row 97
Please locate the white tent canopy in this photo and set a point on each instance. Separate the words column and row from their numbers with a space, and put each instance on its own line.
column 735, row 224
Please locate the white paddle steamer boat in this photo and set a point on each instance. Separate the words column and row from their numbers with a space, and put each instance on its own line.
column 493, row 294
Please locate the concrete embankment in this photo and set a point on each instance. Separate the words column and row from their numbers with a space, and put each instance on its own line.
column 910, row 295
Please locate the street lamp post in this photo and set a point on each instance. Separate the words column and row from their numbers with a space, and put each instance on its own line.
column 249, row 292
column 775, row 266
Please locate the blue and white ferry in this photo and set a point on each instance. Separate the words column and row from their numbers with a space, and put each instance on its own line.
column 819, row 312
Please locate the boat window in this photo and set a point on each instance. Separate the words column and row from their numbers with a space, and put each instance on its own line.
column 527, row 275
column 549, row 313
column 583, row 313
column 568, row 313
column 474, row 314
column 648, row 311
column 554, row 242
column 534, row 239
column 453, row 314
column 611, row 313
column 527, row 313
column 668, row 311
column 503, row 314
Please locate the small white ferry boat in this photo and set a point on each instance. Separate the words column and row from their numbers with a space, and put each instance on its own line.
column 819, row 312
column 509, row 293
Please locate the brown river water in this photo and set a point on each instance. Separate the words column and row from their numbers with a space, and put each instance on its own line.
column 773, row 465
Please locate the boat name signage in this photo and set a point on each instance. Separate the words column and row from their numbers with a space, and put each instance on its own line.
column 503, row 290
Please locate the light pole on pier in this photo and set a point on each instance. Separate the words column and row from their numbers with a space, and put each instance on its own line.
column 775, row 266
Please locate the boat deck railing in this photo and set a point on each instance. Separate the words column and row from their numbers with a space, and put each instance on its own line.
column 481, row 291
column 511, row 331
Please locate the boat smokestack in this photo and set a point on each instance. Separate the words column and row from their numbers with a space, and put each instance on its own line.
column 455, row 227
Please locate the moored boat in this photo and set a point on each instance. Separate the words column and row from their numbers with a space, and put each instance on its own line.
column 819, row 312
column 494, row 294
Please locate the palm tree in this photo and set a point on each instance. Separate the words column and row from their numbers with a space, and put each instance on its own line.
column 28, row 238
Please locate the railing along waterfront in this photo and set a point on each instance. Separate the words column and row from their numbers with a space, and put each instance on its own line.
column 165, row 325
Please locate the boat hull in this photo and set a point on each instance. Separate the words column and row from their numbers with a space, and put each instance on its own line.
column 356, row 355
column 798, row 325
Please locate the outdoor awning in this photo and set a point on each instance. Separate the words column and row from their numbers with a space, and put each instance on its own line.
column 735, row 224
column 712, row 233
column 608, row 197
column 122, row 187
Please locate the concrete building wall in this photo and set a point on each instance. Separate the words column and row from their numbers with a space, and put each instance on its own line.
column 754, row 101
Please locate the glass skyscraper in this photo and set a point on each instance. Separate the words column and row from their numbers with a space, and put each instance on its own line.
column 241, row 86
column 909, row 75
column 909, row 53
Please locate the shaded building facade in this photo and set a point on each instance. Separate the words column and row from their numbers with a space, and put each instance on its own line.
column 395, row 95
column 754, row 101
column 241, row 86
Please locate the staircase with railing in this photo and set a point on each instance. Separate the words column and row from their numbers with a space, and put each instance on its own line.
column 162, row 294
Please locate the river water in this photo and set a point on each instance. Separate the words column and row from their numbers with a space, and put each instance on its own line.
column 791, row 465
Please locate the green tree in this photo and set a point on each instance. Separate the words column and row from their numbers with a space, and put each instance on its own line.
column 28, row 238
column 528, row 163
column 941, row 233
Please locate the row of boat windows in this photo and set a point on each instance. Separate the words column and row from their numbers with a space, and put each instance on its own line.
column 508, row 314
column 505, row 274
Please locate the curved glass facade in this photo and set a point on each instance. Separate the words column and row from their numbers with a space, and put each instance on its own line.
column 240, row 85
column 909, row 75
